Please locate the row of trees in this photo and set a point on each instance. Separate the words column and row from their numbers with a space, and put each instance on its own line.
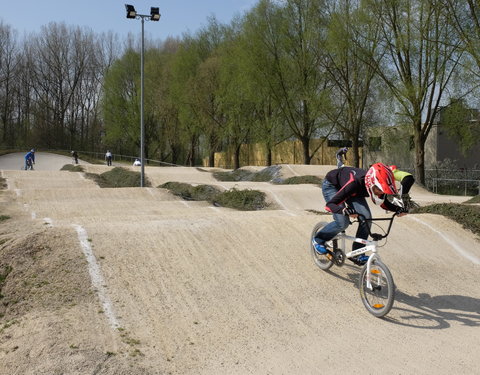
column 291, row 69
column 50, row 86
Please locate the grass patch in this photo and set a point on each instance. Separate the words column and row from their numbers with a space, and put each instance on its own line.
column 302, row 180
column 236, row 175
column 265, row 175
column 117, row 178
column 475, row 199
column 466, row 215
column 4, row 271
column 3, row 183
column 72, row 168
column 189, row 192
column 4, row 217
column 246, row 200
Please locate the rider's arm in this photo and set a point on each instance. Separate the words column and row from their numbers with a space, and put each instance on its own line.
column 386, row 205
column 337, row 203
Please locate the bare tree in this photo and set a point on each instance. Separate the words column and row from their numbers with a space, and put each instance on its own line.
column 62, row 59
column 465, row 18
column 421, row 56
column 9, row 60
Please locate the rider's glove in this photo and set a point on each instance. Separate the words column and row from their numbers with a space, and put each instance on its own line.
column 349, row 211
column 402, row 210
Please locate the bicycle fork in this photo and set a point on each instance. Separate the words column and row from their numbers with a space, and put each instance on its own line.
column 368, row 247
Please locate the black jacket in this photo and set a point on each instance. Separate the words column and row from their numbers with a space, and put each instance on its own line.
column 350, row 182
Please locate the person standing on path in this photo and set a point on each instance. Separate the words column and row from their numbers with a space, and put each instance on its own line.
column 341, row 153
column 29, row 159
column 108, row 158
column 75, row 157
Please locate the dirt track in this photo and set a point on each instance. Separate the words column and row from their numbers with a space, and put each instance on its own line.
column 187, row 288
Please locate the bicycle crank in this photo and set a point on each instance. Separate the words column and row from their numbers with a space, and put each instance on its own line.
column 338, row 257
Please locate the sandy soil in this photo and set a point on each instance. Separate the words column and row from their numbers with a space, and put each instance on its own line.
column 136, row 281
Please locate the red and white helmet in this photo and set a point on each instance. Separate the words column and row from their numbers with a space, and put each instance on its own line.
column 381, row 176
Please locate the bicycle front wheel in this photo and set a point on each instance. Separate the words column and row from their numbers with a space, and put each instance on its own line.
column 377, row 289
column 323, row 261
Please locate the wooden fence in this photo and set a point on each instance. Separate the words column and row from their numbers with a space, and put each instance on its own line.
column 287, row 152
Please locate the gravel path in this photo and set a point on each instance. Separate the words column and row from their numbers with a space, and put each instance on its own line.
column 206, row 290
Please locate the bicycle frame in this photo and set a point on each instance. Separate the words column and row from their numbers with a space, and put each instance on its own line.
column 370, row 245
column 376, row 285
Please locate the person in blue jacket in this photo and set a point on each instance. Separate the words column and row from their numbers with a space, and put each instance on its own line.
column 30, row 159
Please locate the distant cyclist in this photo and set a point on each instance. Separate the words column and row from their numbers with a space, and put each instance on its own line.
column 406, row 179
column 30, row 159
column 75, row 157
column 108, row 157
column 340, row 155
column 345, row 191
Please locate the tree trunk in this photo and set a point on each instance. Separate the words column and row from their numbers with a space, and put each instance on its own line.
column 419, row 157
column 306, row 150
column 211, row 159
column 269, row 156
column 355, row 151
column 236, row 157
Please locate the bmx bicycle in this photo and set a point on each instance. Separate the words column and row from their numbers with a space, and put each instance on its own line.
column 28, row 164
column 377, row 289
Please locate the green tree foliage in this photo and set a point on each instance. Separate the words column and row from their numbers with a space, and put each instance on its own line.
column 462, row 124
column 196, row 87
column 464, row 15
column 121, row 104
column 259, row 78
column 351, row 42
column 285, row 69
column 290, row 39
column 235, row 93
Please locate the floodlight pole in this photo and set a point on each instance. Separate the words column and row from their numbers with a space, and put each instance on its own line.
column 153, row 16
column 142, row 123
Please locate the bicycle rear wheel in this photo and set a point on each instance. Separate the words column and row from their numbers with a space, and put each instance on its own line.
column 379, row 297
column 323, row 261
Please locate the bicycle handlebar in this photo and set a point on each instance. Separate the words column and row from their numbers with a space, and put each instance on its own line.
column 377, row 236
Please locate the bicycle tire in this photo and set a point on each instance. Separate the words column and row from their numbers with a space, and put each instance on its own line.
column 378, row 300
column 323, row 262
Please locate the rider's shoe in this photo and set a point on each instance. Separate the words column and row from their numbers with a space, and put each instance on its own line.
column 319, row 248
column 359, row 260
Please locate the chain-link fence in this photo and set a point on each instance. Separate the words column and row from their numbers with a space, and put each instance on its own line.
column 453, row 182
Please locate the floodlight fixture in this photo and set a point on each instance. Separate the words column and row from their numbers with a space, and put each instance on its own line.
column 131, row 12
column 154, row 14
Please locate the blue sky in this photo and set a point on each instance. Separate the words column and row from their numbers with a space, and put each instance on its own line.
column 178, row 16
